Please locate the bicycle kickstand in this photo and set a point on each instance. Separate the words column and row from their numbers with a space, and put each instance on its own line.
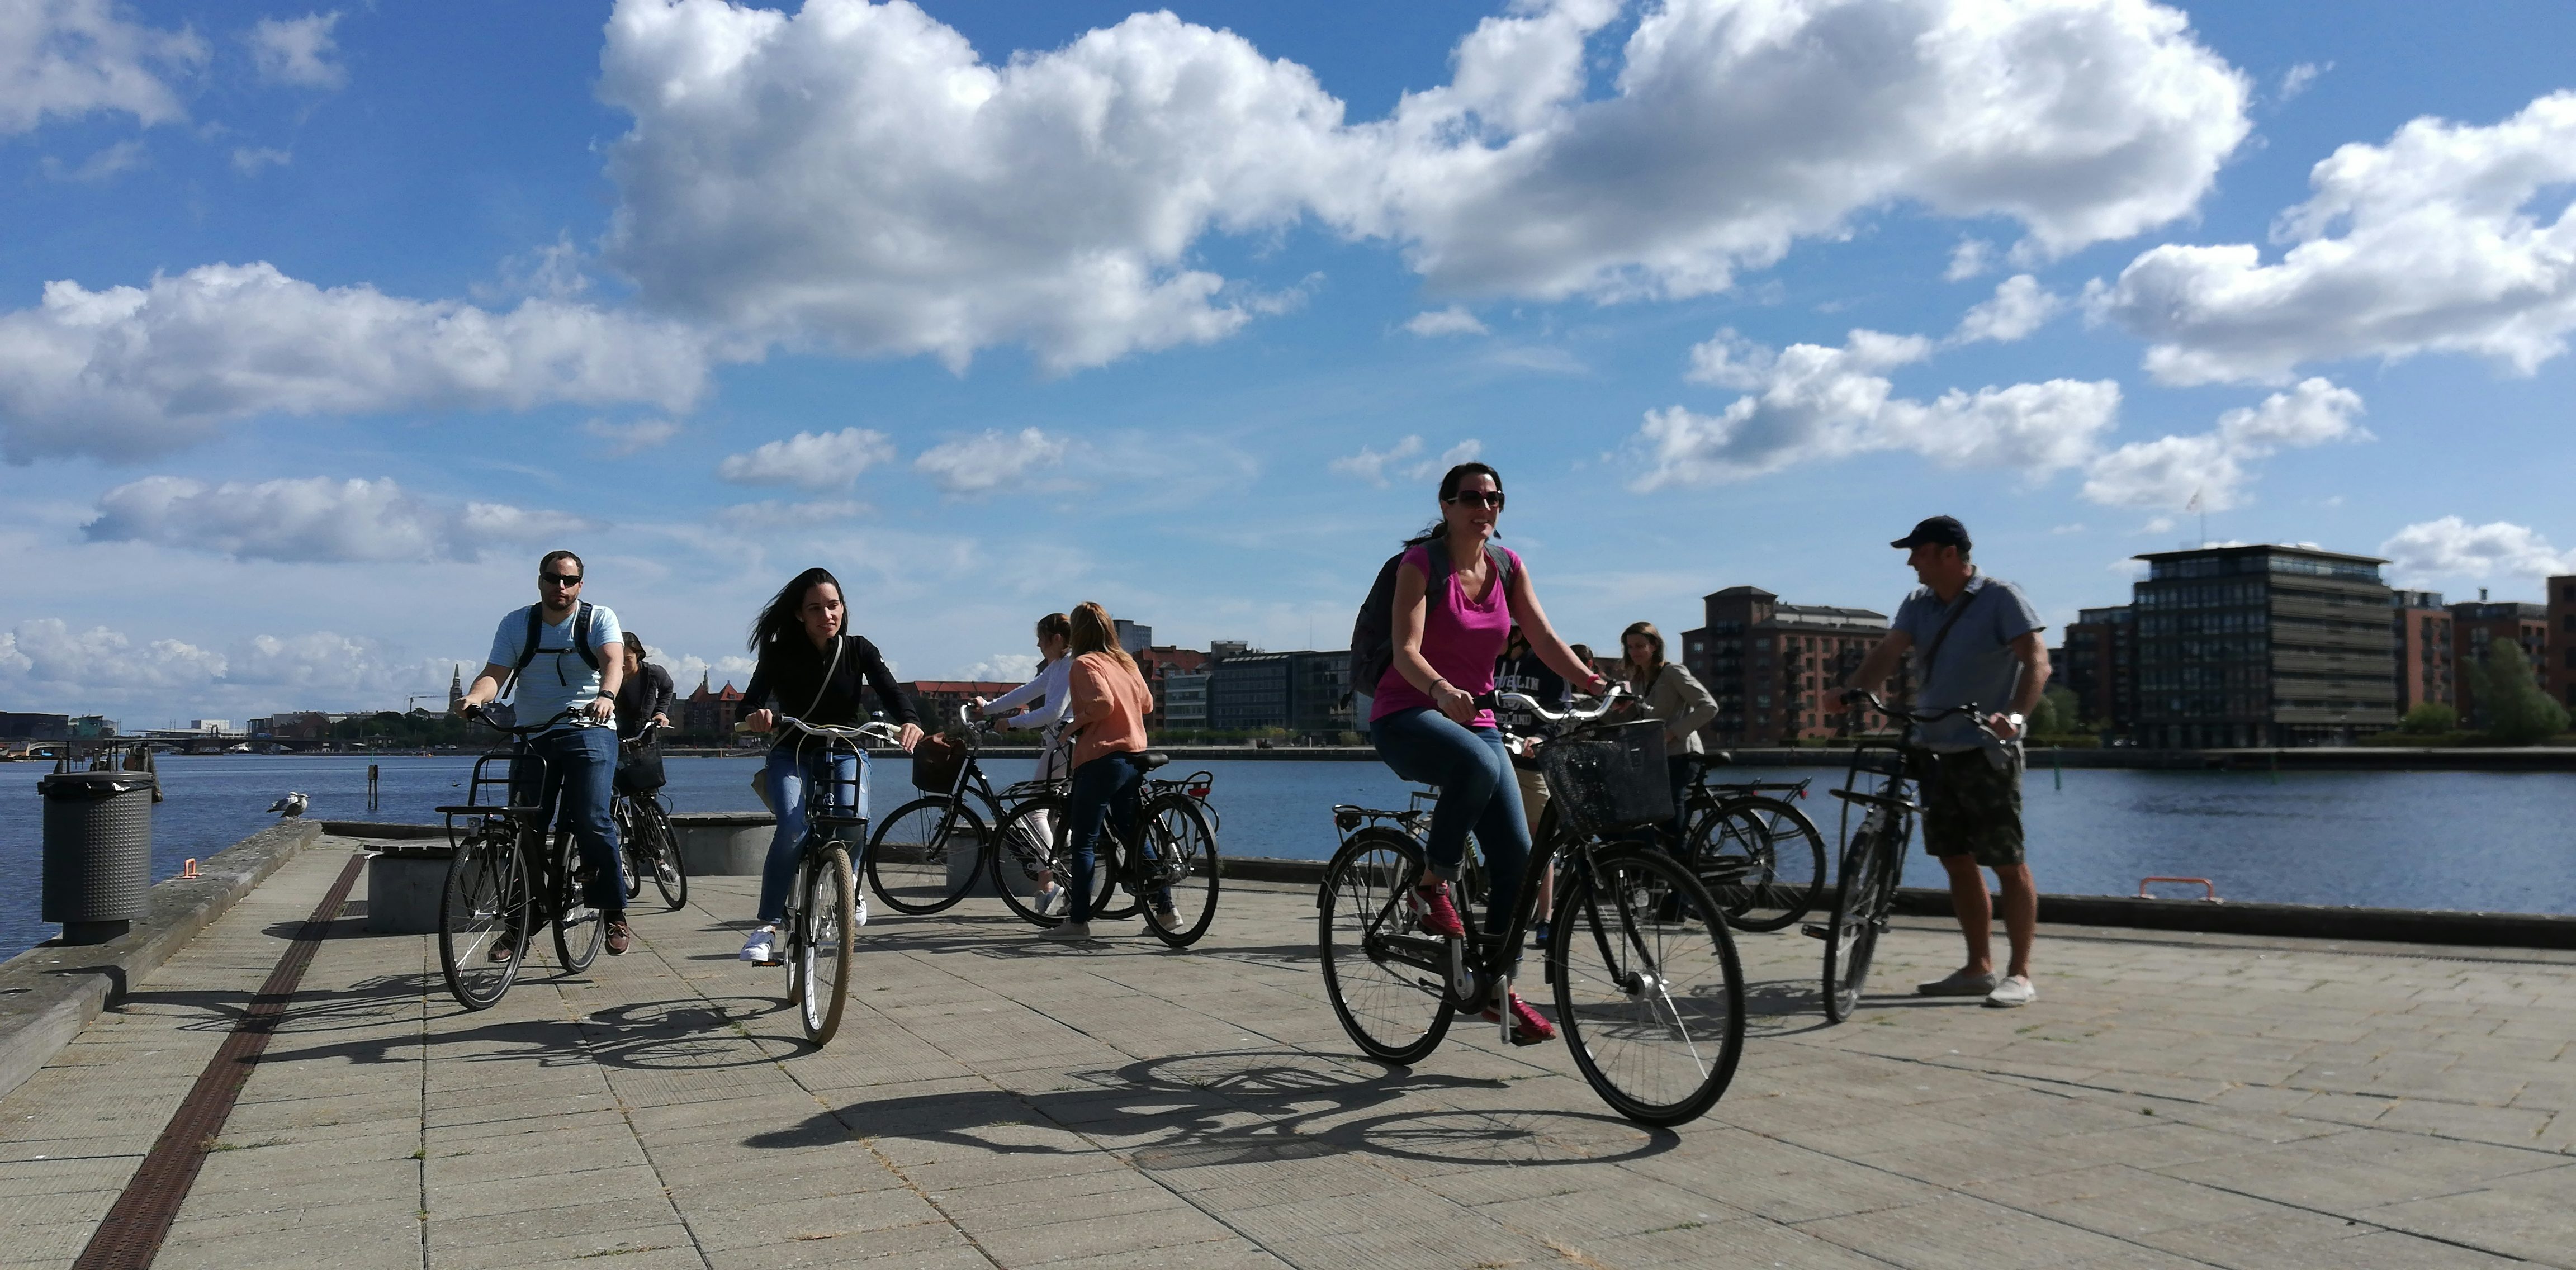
column 1503, row 1005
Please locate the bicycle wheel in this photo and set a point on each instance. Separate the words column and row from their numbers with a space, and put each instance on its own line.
column 483, row 906
column 1114, row 867
column 1184, row 866
column 1851, row 936
column 1020, row 853
column 670, row 873
column 1396, row 1013
column 1796, row 885
column 630, row 851
column 829, row 932
column 1648, row 988
column 578, row 929
column 923, row 858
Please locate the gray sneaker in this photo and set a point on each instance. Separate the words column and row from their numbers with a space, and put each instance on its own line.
column 1959, row 984
column 1067, row 931
column 2012, row 993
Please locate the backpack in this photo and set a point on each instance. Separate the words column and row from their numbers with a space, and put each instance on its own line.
column 1373, row 634
column 528, row 649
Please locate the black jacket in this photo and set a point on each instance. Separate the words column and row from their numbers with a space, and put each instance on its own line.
column 645, row 693
column 790, row 672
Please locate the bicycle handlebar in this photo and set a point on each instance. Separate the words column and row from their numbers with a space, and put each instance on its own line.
column 875, row 730
column 1975, row 714
column 495, row 717
column 1524, row 701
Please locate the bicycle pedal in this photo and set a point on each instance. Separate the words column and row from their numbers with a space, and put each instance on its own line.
column 1814, row 930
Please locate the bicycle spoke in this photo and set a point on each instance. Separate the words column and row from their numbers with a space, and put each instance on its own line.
column 1648, row 989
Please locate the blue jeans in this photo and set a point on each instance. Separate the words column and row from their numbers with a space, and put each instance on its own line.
column 792, row 767
column 1477, row 791
column 579, row 763
column 1105, row 785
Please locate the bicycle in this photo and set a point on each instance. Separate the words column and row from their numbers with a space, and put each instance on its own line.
column 1757, row 853
column 926, row 854
column 820, row 928
column 505, row 878
column 1873, row 856
column 1169, row 856
column 1647, row 986
column 644, row 835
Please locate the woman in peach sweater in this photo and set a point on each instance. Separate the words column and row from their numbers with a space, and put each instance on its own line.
column 1110, row 702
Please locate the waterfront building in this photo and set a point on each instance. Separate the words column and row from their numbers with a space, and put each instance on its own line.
column 2478, row 625
column 1181, row 699
column 1159, row 661
column 2422, row 626
column 1224, row 648
column 1304, row 692
column 34, row 727
column 938, row 701
column 2562, row 637
column 2262, row 645
column 1774, row 668
column 456, row 687
column 2098, row 663
column 708, row 714
column 1135, row 637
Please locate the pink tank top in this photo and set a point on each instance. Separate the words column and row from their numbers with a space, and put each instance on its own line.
column 1461, row 637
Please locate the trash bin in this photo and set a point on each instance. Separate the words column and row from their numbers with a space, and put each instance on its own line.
column 98, row 851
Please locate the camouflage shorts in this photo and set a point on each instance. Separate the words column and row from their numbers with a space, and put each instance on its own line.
column 1971, row 807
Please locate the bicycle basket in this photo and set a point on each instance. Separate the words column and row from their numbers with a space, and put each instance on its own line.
column 1610, row 778
column 936, row 762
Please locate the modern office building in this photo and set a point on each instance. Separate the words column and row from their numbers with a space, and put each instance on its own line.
column 2422, row 629
column 1181, row 699
column 2262, row 645
column 2477, row 626
column 2562, row 637
column 35, row 727
column 1302, row 692
column 2098, row 663
column 1774, row 667
column 1158, row 663
column 1135, row 637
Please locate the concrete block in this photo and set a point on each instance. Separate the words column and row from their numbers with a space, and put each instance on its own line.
column 403, row 889
column 723, row 843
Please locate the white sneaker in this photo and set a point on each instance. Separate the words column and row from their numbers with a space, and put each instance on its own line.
column 762, row 947
column 859, row 915
column 1067, row 931
column 1959, row 983
column 2015, row 991
column 1045, row 901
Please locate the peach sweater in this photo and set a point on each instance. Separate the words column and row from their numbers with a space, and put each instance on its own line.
column 1110, row 702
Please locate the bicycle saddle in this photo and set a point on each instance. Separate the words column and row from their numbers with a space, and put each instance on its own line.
column 1151, row 759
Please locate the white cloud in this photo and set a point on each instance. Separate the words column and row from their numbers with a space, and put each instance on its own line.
column 1971, row 257
column 249, row 160
column 688, row 669
column 2167, row 473
column 1808, row 403
column 69, row 58
column 810, row 460
column 1373, row 466
column 314, row 520
column 2454, row 548
column 2430, row 243
column 45, row 662
column 1454, row 320
column 297, row 51
column 988, row 460
column 1002, row 668
column 2297, row 79
column 2019, row 307
column 124, row 156
column 126, row 372
column 856, row 176
column 632, row 436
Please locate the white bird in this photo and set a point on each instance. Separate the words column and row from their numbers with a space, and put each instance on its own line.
column 292, row 805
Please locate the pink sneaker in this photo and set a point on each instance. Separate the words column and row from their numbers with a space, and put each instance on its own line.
column 1439, row 916
column 1529, row 1027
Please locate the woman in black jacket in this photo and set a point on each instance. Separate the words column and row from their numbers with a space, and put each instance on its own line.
column 811, row 667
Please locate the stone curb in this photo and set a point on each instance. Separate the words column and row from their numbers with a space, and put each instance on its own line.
column 49, row 993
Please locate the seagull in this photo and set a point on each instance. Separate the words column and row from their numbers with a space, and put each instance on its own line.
column 292, row 805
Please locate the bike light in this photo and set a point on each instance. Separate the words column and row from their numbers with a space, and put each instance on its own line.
column 1346, row 820
column 1199, row 792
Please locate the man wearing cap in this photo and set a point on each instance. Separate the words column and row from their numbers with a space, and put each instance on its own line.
column 1980, row 643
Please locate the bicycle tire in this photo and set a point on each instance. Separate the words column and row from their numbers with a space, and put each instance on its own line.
column 630, row 857
column 909, row 857
column 1185, row 845
column 670, row 872
column 1791, row 864
column 579, row 929
column 1851, row 936
column 1396, row 1014
column 829, row 934
column 1019, row 854
column 1655, row 1057
column 485, row 897
column 1113, row 861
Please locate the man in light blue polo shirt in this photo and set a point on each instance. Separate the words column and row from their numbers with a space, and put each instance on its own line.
column 573, row 671
column 1981, row 643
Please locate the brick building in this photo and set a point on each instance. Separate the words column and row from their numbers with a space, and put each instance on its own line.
column 2478, row 625
column 1774, row 667
column 2098, row 663
column 937, row 701
column 708, row 714
column 2562, row 637
column 2262, row 645
column 1159, row 663
column 2422, row 627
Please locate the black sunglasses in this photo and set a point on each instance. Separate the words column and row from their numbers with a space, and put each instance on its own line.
column 1480, row 498
column 559, row 579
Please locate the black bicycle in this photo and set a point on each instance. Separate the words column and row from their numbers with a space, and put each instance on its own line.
column 1873, row 856
column 820, row 929
column 1756, row 851
column 1166, row 863
column 644, row 835
column 926, row 854
column 1647, row 986
column 506, row 875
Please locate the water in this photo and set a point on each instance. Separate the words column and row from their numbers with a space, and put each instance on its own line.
column 2439, row 840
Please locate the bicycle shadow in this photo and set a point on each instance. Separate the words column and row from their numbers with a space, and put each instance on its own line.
column 1236, row 1107
column 695, row 1034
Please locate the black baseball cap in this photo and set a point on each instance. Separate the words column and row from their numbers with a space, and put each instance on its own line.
column 1940, row 531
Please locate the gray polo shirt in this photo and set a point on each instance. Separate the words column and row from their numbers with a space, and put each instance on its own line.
column 1976, row 662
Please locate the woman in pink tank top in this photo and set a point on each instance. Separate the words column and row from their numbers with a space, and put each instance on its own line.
column 1457, row 596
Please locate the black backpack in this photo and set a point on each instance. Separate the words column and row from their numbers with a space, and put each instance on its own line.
column 1373, row 635
column 528, row 649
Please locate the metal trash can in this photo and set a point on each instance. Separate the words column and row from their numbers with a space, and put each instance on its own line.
column 98, row 851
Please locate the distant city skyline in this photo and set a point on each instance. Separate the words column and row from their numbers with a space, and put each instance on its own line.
column 318, row 326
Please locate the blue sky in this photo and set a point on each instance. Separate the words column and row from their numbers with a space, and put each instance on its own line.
column 318, row 326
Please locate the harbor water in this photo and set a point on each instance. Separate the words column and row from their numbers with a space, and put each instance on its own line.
column 2479, row 841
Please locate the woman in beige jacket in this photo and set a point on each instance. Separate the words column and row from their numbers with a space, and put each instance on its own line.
column 1672, row 694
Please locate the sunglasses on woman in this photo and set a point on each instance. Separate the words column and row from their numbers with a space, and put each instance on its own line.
column 1480, row 498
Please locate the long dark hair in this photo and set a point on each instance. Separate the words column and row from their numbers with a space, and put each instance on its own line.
column 1448, row 490
column 784, row 610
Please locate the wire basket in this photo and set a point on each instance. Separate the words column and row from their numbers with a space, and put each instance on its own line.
column 1610, row 778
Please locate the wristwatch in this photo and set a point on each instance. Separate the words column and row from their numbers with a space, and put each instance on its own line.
column 2016, row 722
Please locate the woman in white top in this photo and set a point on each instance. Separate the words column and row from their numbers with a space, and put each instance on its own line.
column 1049, row 705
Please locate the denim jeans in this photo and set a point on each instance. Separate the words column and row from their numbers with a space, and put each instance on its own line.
column 1477, row 791
column 579, row 763
column 1104, row 786
column 793, row 765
